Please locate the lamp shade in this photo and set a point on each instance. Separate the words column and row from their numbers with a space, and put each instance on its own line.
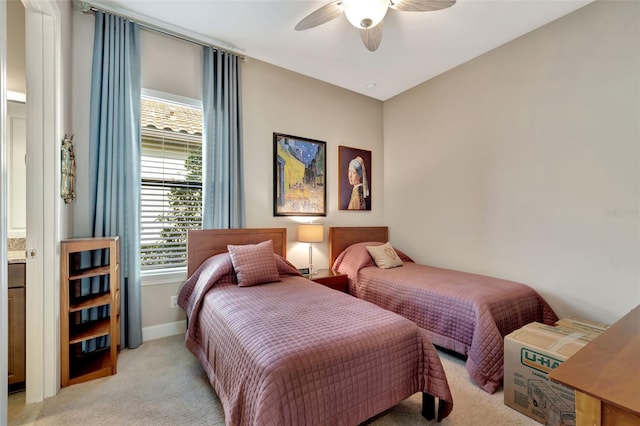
column 311, row 233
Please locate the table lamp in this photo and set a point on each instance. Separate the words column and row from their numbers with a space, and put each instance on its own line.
column 311, row 233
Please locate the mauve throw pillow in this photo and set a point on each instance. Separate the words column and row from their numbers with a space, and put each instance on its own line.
column 254, row 263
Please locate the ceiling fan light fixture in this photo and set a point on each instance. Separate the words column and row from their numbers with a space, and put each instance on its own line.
column 365, row 14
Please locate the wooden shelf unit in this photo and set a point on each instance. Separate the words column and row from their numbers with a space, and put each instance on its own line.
column 79, row 326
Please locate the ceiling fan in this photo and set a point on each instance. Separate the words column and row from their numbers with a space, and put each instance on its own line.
column 367, row 15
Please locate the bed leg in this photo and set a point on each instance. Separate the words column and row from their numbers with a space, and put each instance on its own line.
column 428, row 406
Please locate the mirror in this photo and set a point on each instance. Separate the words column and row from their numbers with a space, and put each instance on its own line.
column 16, row 133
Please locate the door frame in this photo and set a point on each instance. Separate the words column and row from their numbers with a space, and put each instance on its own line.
column 3, row 206
column 45, row 118
column 43, row 42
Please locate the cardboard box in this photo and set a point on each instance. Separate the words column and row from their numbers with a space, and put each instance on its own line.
column 583, row 324
column 530, row 353
column 584, row 333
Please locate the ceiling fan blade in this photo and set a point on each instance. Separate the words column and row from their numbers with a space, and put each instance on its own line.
column 321, row 16
column 420, row 5
column 371, row 37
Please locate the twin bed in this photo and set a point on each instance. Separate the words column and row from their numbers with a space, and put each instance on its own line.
column 282, row 350
column 467, row 313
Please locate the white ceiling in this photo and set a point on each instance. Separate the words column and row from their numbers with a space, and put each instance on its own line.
column 416, row 46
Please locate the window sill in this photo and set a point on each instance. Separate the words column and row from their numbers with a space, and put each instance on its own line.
column 162, row 277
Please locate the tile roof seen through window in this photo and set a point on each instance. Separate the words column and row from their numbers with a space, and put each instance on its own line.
column 170, row 116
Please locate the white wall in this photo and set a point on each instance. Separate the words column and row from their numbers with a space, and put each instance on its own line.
column 525, row 163
column 16, row 73
column 277, row 100
column 82, row 48
column 274, row 100
column 170, row 65
column 521, row 164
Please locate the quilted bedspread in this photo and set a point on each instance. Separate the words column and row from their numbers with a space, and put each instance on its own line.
column 467, row 313
column 295, row 352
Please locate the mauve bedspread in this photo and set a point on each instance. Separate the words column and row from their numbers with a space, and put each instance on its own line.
column 295, row 352
column 467, row 313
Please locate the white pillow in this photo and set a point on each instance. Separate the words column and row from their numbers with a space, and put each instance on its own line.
column 385, row 256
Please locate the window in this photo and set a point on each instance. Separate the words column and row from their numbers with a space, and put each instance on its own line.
column 171, row 181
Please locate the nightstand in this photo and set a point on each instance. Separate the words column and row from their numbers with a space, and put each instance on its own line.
column 329, row 278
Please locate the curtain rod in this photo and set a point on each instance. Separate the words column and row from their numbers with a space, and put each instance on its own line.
column 87, row 7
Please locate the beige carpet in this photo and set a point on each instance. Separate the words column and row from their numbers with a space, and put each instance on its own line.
column 161, row 383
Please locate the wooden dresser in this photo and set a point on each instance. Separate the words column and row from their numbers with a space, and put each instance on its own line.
column 606, row 376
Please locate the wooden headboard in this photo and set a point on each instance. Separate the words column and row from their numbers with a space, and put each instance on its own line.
column 342, row 237
column 204, row 243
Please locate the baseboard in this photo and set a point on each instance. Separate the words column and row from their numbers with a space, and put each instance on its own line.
column 164, row 330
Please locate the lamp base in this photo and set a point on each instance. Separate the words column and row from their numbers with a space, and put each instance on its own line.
column 311, row 268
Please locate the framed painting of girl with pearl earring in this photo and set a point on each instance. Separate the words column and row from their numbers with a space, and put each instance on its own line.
column 354, row 178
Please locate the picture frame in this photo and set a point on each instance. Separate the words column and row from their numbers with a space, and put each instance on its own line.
column 299, row 173
column 354, row 186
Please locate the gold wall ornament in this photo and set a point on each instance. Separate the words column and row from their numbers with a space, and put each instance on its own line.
column 68, row 170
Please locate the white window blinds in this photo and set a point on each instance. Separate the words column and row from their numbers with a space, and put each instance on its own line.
column 171, row 182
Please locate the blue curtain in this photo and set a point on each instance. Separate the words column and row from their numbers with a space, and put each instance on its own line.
column 222, row 179
column 114, row 156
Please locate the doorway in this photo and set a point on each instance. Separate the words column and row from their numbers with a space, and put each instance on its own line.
column 44, row 24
